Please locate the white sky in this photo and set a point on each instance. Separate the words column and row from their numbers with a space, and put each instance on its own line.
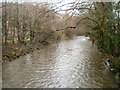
column 57, row 2
column 40, row 0
column 61, row 0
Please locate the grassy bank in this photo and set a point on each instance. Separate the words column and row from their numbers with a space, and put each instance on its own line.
column 13, row 51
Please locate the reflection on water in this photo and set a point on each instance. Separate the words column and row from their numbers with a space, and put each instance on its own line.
column 68, row 64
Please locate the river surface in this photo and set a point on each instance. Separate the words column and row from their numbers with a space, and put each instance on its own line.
column 72, row 63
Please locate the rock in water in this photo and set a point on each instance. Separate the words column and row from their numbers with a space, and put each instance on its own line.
column 107, row 62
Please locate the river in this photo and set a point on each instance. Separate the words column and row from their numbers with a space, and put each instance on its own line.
column 74, row 63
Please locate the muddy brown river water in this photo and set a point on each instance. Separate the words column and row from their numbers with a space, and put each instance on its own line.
column 72, row 63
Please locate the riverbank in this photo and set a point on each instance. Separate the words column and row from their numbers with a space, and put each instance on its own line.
column 14, row 51
column 114, row 66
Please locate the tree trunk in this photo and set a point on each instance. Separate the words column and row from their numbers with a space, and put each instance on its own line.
column 18, row 29
column 5, row 22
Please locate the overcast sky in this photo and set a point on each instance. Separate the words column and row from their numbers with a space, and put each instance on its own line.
column 40, row 0
column 60, row 0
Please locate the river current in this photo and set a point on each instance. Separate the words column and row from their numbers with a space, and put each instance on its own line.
column 74, row 63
